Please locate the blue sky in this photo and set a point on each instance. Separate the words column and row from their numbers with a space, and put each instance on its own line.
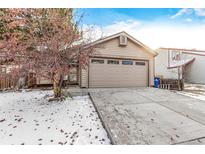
column 100, row 16
column 180, row 26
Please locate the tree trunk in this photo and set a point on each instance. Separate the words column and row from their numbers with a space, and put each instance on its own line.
column 21, row 83
column 57, row 85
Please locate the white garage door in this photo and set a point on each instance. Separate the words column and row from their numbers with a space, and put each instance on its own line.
column 118, row 73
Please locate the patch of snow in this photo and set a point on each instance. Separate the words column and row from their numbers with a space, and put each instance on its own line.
column 195, row 91
column 28, row 118
column 197, row 96
column 195, row 86
column 176, row 63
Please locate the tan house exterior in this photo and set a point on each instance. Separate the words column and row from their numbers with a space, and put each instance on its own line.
column 120, row 61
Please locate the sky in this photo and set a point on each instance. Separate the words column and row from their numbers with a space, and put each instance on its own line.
column 155, row 27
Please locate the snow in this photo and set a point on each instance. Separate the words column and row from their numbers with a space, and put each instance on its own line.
column 195, row 91
column 28, row 118
column 200, row 97
column 175, row 63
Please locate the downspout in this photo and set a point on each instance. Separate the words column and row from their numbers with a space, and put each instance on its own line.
column 168, row 58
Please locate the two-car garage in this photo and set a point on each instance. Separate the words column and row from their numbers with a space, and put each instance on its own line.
column 107, row 72
column 119, row 61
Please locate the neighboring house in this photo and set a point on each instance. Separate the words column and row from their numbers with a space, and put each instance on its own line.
column 192, row 61
column 120, row 61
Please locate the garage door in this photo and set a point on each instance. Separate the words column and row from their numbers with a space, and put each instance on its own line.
column 118, row 73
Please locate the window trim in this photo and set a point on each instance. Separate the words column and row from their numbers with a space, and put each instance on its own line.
column 127, row 61
column 109, row 60
column 140, row 63
column 3, row 69
column 97, row 61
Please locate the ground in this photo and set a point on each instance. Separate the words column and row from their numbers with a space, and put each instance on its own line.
column 130, row 116
column 28, row 118
column 194, row 90
column 150, row 116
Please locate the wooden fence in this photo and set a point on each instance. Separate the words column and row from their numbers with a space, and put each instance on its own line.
column 171, row 84
column 7, row 82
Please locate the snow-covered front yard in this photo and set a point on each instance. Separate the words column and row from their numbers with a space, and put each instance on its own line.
column 28, row 118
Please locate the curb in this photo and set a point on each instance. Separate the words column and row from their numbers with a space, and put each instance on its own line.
column 103, row 123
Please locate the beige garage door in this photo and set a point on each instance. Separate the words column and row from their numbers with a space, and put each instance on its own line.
column 118, row 73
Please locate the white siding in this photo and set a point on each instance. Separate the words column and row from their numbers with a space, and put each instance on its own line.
column 195, row 72
column 161, row 64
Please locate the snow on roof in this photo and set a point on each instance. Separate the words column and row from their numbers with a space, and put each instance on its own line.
column 175, row 64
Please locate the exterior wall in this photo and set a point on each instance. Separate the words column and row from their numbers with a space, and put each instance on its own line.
column 84, row 77
column 42, row 81
column 161, row 64
column 72, row 78
column 194, row 73
column 112, row 49
column 151, row 71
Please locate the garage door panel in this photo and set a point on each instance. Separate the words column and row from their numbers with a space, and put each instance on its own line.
column 118, row 75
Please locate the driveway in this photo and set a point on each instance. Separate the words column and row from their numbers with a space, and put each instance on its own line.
column 150, row 116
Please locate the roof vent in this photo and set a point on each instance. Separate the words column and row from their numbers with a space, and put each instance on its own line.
column 123, row 40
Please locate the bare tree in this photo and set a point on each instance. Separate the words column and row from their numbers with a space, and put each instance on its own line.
column 44, row 41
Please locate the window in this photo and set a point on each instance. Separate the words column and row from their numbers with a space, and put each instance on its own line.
column 176, row 55
column 113, row 62
column 3, row 69
column 139, row 63
column 127, row 62
column 73, row 78
column 97, row 61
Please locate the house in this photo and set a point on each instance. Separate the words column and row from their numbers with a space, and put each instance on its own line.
column 120, row 61
column 192, row 61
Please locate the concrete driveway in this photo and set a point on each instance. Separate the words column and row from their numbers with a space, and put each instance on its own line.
column 150, row 116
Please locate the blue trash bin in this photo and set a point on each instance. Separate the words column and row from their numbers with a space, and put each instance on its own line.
column 156, row 82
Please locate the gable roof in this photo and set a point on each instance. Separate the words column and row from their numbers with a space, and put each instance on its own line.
column 129, row 37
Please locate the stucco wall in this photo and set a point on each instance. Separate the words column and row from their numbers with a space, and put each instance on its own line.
column 112, row 49
column 161, row 64
column 195, row 72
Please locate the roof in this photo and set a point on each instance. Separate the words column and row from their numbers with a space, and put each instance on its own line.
column 129, row 37
column 181, row 63
column 182, row 49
